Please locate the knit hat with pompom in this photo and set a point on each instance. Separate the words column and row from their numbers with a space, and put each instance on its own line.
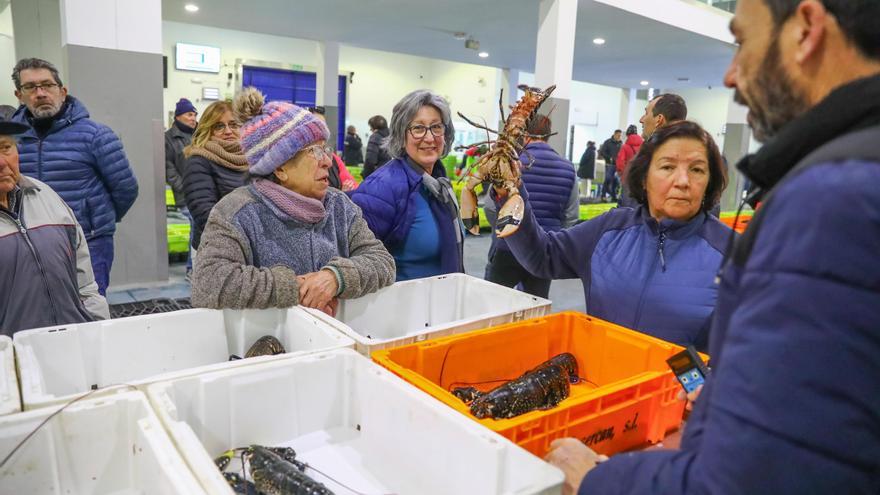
column 271, row 133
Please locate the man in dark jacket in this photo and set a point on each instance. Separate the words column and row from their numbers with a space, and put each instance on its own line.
column 587, row 169
column 377, row 155
column 82, row 160
column 552, row 188
column 177, row 138
column 45, row 263
column 608, row 152
column 791, row 405
column 353, row 152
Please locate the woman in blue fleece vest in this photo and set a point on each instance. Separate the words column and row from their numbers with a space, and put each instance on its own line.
column 409, row 203
column 650, row 268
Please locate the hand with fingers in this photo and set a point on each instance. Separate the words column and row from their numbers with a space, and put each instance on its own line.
column 574, row 459
column 691, row 398
column 317, row 289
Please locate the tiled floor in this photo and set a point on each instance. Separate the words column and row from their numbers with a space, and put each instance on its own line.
column 565, row 294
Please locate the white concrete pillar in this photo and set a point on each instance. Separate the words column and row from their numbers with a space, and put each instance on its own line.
column 557, row 20
column 113, row 54
column 328, row 87
column 37, row 26
column 737, row 137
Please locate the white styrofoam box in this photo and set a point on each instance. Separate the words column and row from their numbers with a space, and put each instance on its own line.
column 9, row 399
column 348, row 418
column 416, row 310
column 56, row 362
column 113, row 444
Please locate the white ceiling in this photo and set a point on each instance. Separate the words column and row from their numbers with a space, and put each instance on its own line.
column 637, row 48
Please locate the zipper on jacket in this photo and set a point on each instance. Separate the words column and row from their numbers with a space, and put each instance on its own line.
column 660, row 242
column 40, row 158
column 23, row 230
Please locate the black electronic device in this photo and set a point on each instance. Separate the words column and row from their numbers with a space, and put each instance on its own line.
column 689, row 369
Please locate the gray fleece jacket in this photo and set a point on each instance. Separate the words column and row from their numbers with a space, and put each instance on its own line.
column 251, row 252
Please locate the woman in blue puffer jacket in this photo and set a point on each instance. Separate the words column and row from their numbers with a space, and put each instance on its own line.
column 650, row 268
column 408, row 202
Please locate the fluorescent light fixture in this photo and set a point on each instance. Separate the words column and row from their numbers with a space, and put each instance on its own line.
column 645, row 83
column 598, row 41
column 191, row 7
column 483, row 54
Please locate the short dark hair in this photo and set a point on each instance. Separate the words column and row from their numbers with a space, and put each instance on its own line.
column 670, row 106
column 33, row 63
column 616, row 131
column 637, row 170
column 858, row 19
column 377, row 122
column 539, row 125
column 320, row 110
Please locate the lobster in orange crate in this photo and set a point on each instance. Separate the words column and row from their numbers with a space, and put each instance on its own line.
column 501, row 165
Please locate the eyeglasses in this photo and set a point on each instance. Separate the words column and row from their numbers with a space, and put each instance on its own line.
column 46, row 86
column 220, row 126
column 319, row 152
column 419, row 131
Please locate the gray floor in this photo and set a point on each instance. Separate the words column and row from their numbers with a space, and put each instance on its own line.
column 565, row 294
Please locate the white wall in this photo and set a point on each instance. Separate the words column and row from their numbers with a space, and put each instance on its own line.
column 380, row 78
column 7, row 57
column 709, row 108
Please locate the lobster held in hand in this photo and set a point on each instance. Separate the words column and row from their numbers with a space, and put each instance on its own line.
column 501, row 165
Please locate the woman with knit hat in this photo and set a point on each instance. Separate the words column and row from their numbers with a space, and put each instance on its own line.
column 286, row 238
column 215, row 164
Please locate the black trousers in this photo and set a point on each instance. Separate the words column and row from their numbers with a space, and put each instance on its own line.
column 505, row 270
column 611, row 182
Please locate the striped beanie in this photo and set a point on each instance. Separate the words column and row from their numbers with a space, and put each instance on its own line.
column 273, row 132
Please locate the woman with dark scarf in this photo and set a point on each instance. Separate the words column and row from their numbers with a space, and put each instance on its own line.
column 408, row 202
column 215, row 164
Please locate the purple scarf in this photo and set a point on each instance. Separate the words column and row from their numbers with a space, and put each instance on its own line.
column 297, row 206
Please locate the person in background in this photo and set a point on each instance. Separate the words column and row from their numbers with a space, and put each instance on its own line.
column 609, row 151
column 377, row 155
column 45, row 265
column 409, row 202
column 80, row 159
column 353, row 152
column 340, row 177
column 178, row 137
column 552, row 188
column 6, row 112
column 587, row 170
column 790, row 406
column 287, row 238
column 663, row 109
column 627, row 152
column 215, row 165
column 650, row 268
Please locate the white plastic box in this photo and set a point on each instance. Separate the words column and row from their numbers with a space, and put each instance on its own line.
column 426, row 308
column 348, row 418
column 113, row 444
column 10, row 402
column 55, row 363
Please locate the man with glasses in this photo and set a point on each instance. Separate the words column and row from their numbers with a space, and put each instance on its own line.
column 82, row 160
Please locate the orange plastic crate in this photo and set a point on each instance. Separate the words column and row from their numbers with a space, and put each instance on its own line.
column 627, row 397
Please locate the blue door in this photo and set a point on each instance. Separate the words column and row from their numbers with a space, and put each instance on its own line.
column 295, row 87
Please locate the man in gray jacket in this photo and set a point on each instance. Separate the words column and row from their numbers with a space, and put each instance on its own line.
column 45, row 263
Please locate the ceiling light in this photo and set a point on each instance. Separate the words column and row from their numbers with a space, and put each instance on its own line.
column 645, row 83
column 598, row 41
column 684, row 79
column 483, row 54
column 190, row 7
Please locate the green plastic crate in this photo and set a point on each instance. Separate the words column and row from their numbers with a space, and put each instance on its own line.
column 178, row 233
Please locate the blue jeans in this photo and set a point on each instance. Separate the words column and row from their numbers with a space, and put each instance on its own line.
column 101, row 253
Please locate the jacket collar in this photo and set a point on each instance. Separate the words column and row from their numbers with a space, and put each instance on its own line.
column 673, row 229
column 848, row 108
column 72, row 111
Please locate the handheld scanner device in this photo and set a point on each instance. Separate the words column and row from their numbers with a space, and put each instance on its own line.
column 688, row 368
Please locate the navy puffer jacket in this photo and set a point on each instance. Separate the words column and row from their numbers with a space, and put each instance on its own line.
column 549, row 179
column 83, row 161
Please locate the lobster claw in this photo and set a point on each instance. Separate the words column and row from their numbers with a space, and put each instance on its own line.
column 470, row 216
column 510, row 216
